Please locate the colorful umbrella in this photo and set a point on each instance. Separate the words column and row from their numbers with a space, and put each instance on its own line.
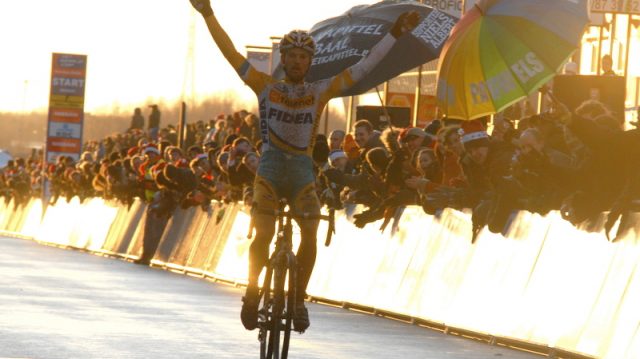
column 502, row 50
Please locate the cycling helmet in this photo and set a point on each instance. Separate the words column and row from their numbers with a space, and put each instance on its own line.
column 300, row 39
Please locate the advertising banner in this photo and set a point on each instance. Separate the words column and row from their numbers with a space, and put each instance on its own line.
column 343, row 41
column 426, row 109
column 259, row 58
column 451, row 7
column 66, row 106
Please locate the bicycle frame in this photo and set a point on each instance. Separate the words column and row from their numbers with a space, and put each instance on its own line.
column 278, row 306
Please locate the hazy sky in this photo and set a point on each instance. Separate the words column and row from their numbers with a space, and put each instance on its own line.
column 136, row 48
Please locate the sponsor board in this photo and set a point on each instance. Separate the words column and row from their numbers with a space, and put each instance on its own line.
column 259, row 59
column 65, row 130
column 451, row 7
column 65, row 115
column 66, row 106
column 434, row 29
column 426, row 109
column 64, row 145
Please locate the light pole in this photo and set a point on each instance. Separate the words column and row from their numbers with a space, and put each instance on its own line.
column 24, row 96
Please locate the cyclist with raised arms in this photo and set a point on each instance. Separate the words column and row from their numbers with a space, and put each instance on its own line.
column 290, row 111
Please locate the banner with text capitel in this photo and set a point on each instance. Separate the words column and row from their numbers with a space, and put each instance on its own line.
column 66, row 106
column 344, row 40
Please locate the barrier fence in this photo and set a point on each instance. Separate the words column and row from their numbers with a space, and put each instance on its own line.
column 545, row 283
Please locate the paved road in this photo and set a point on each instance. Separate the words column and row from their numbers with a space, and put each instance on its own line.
column 66, row 304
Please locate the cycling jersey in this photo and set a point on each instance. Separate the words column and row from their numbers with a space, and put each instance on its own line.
column 290, row 113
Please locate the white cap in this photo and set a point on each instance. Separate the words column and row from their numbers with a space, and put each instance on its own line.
column 336, row 154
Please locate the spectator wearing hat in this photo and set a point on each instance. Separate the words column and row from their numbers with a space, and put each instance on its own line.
column 485, row 162
column 331, row 179
column 320, row 153
column 222, row 181
column 402, row 145
column 154, row 122
column 350, row 147
column 547, row 175
column 412, row 139
column 430, row 177
column 449, row 150
column 194, row 151
column 409, row 140
column 250, row 128
column 612, row 158
column 487, row 167
column 137, row 120
column 359, row 187
column 201, row 168
column 338, row 160
column 174, row 156
column 239, row 175
column 152, row 158
column 432, row 130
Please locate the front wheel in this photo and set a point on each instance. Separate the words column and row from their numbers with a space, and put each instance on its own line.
column 290, row 309
column 264, row 316
column 282, row 313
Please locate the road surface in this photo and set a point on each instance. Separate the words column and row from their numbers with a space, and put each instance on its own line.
column 66, row 304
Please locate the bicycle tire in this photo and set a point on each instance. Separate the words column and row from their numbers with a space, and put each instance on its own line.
column 290, row 309
column 276, row 314
column 265, row 312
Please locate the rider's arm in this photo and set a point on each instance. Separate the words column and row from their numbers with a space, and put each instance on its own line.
column 224, row 42
column 406, row 22
column 254, row 79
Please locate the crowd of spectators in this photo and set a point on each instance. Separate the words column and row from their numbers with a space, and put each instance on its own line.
column 581, row 163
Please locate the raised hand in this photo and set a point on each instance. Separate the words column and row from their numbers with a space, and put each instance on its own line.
column 406, row 22
column 202, row 6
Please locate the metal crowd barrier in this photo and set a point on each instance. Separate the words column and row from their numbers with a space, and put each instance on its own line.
column 545, row 286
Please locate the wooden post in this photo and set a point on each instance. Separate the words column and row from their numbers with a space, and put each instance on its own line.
column 627, row 46
column 182, row 121
column 416, row 102
column 326, row 118
column 612, row 34
column 349, row 114
column 599, row 58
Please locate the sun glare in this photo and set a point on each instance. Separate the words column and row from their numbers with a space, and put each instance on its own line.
column 138, row 51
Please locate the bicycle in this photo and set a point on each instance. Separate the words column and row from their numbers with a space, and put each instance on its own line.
column 277, row 311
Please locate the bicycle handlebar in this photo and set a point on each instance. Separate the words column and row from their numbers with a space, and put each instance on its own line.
column 291, row 214
column 298, row 215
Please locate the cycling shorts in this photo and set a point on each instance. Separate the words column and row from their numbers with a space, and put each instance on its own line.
column 283, row 175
